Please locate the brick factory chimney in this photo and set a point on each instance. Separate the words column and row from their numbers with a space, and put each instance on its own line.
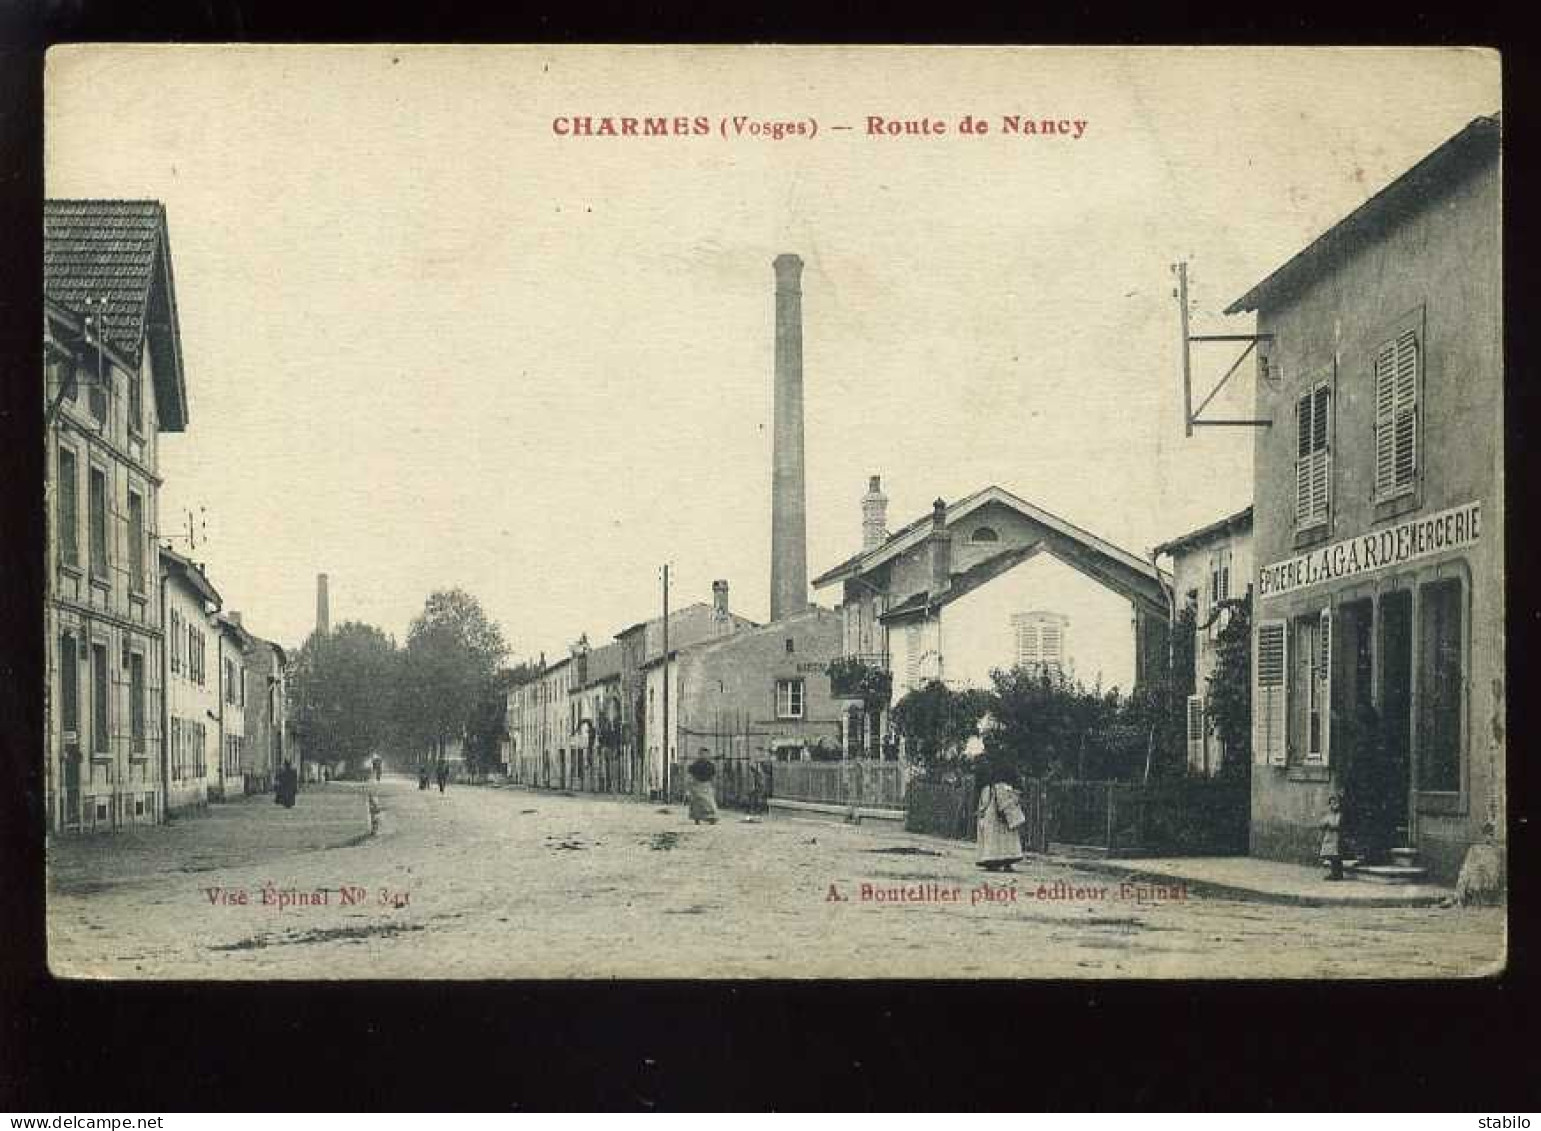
column 874, row 515
column 789, row 547
column 941, row 549
column 323, row 608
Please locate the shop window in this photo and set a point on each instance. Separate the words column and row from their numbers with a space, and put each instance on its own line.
column 1441, row 687
column 1311, row 688
column 1396, row 414
column 1313, row 459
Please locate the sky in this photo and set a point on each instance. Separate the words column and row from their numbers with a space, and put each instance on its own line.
column 429, row 342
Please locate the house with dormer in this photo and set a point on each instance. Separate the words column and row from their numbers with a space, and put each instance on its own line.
column 113, row 383
column 993, row 581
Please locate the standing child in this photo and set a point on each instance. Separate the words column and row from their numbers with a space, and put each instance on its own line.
column 1332, row 849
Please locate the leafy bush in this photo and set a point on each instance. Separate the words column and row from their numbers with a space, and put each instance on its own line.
column 936, row 723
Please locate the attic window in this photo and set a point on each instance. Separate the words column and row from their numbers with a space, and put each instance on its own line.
column 985, row 534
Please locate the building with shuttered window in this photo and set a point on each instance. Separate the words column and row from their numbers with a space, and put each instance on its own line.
column 1211, row 572
column 1379, row 603
column 113, row 385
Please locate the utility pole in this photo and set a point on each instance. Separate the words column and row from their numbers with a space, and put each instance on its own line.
column 665, row 741
column 1182, row 306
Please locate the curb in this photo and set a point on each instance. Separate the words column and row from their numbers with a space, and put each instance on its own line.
column 1241, row 892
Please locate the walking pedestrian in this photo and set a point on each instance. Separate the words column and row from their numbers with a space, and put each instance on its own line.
column 442, row 774
column 998, row 840
column 378, row 767
column 422, row 776
column 702, row 795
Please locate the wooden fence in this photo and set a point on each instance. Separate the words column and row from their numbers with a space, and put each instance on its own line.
column 860, row 781
column 1190, row 817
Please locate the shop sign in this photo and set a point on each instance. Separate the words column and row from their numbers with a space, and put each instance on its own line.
column 1454, row 529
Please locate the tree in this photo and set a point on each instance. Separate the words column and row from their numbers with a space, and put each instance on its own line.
column 851, row 677
column 936, row 722
column 342, row 690
column 1048, row 723
column 449, row 669
column 1230, row 691
column 489, row 720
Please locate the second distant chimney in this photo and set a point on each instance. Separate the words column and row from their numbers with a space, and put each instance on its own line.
column 874, row 515
column 720, row 598
column 941, row 549
column 323, row 607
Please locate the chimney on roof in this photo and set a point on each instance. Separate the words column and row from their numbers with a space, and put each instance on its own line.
column 941, row 549
column 789, row 543
column 874, row 515
column 720, row 599
column 323, row 606
column 234, row 617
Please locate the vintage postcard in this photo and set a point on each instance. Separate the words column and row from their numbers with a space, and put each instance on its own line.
column 765, row 512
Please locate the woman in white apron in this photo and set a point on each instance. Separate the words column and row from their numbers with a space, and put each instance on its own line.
column 1000, row 819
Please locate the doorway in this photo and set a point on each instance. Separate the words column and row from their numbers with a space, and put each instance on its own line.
column 1396, row 700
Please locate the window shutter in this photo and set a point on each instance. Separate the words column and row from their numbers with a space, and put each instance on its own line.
column 1385, row 418
column 1052, row 644
column 1406, row 442
column 1324, row 643
column 1196, row 734
column 1269, row 669
column 1303, row 461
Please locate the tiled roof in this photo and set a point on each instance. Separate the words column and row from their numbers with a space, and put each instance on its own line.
column 1241, row 520
column 913, row 533
column 117, row 252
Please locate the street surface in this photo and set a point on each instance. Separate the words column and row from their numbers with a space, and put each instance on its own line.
column 482, row 882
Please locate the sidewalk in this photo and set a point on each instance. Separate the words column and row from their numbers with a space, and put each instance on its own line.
column 227, row 834
column 1266, row 881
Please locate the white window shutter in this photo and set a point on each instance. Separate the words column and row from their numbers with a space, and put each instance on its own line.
column 1269, row 699
column 1324, row 643
column 1196, row 734
column 1303, row 461
column 1385, row 419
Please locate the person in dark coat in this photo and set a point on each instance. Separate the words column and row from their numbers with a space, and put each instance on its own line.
column 422, row 776
column 288, row 786
column 442, row 775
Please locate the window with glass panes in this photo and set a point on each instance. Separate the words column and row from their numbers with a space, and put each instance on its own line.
column 69, row 508
column 789, row 698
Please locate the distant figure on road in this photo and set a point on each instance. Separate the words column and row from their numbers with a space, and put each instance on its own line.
column 377, row 767
column 703, row 797
column 1000, row 815
column 422, row 776
column 442, row 774
column 1332, row 848
column 287, row 787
